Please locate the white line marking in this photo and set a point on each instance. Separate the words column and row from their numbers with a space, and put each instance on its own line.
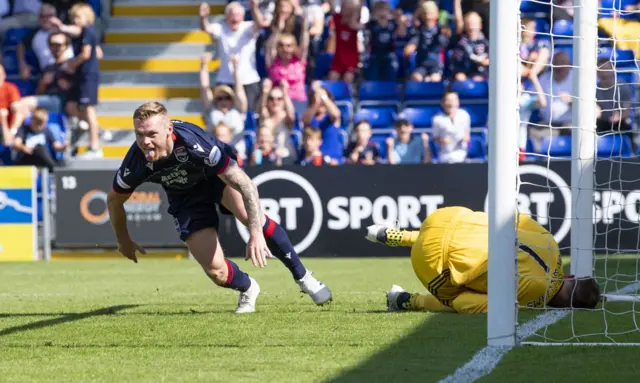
column 485, row 360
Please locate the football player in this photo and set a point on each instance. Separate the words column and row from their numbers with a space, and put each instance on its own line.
column 450, row 256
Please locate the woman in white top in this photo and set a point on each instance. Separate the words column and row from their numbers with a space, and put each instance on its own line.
column 452, row 130
column 223, row 104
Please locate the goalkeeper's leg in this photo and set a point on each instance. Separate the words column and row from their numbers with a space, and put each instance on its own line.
column 392, row 237
column 400, row 300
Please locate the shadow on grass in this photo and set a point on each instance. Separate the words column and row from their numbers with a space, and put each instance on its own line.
column 431, row 351
column 64, row 318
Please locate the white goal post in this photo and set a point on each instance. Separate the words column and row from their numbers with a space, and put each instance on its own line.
column 504, row 178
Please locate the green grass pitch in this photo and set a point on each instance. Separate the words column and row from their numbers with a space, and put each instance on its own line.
column 164, row 321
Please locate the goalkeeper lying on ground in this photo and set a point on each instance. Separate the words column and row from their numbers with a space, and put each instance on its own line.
column 450, row 253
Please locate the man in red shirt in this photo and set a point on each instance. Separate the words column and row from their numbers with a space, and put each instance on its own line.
column 9, row 94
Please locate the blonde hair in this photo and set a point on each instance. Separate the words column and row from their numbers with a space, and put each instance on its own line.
column 148, row 110
column 40, row 116
column 84, row 10
column 310, row 132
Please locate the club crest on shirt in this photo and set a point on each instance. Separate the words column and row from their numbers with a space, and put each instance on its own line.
column 181, row 154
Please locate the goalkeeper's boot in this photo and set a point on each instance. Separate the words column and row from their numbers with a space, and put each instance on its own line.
column 397, row 299
column 318, row 291
column 384, row 234
column 247, row 299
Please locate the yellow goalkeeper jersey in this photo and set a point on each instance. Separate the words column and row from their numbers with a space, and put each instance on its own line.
column 450, row 257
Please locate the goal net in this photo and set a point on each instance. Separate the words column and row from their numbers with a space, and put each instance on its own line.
column 577, row 172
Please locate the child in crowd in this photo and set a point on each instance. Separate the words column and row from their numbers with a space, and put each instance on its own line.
column 311, row 153
column 429, row 41
column 405, row 149
column 383, row 30
column 470, row 58
column 362, row 150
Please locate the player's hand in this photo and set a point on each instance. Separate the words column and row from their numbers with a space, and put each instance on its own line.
column 204, row 10
column 129, row 250
column 257, row 250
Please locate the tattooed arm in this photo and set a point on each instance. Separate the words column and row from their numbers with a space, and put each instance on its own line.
column 235, row 177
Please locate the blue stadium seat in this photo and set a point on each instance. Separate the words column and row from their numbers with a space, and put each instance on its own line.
column 14, row 36
column 542, row 26
column 379, row 93
column 323, row 63
column 26, row 87
column 421, row 93
column 380, row 139
column 614, row 145
column 97, row 7
column 531, row 6
column 379, row 118
column 10, row 62
column 346, row 111
column 477, row 149
column 478, row 113
column 471, row 90
column 556, row 146
column 420, row 117
column 562, row 29
column 340, row 90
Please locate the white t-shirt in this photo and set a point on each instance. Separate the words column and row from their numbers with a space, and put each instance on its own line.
column 241, row 42
column 40, row 46
column 556, row 111
column 233, row 119
column 455, row 129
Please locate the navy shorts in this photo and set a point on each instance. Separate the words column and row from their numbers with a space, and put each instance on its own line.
column 85, row 90
column 196, row 209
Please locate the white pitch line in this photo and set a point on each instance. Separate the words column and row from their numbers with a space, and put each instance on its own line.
column 485, row 360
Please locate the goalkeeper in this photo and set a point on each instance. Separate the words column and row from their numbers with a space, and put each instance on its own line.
column 450, row 255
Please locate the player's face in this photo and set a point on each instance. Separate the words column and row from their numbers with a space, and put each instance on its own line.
column 153, row 136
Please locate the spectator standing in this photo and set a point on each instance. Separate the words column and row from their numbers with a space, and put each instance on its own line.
column 428, row 41
column 86, row 68
column 38, row 42
column 534, row 53
column 55, row 84
column 235, row 37
column 557, row 84
column 287, row 67
column 529, row 102
column 614, row 101
column 312, row 154
column 324, row 115
column 470, row 58
column 405, row 149
column 314, row 15
column 452, row 130
column 31, row 143
column 361, row 150
column 24, row 14
column 9, row 95
column 287, row 18
column 345, row 26
column 277, row 113
column 382, row 30
column 223, row 104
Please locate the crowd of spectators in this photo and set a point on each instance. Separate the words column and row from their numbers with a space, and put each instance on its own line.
column 291, row 44
column 57, row 73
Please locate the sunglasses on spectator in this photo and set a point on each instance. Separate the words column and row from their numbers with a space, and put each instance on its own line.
column 57, row 45
column 271, row 98
column 223, row 98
